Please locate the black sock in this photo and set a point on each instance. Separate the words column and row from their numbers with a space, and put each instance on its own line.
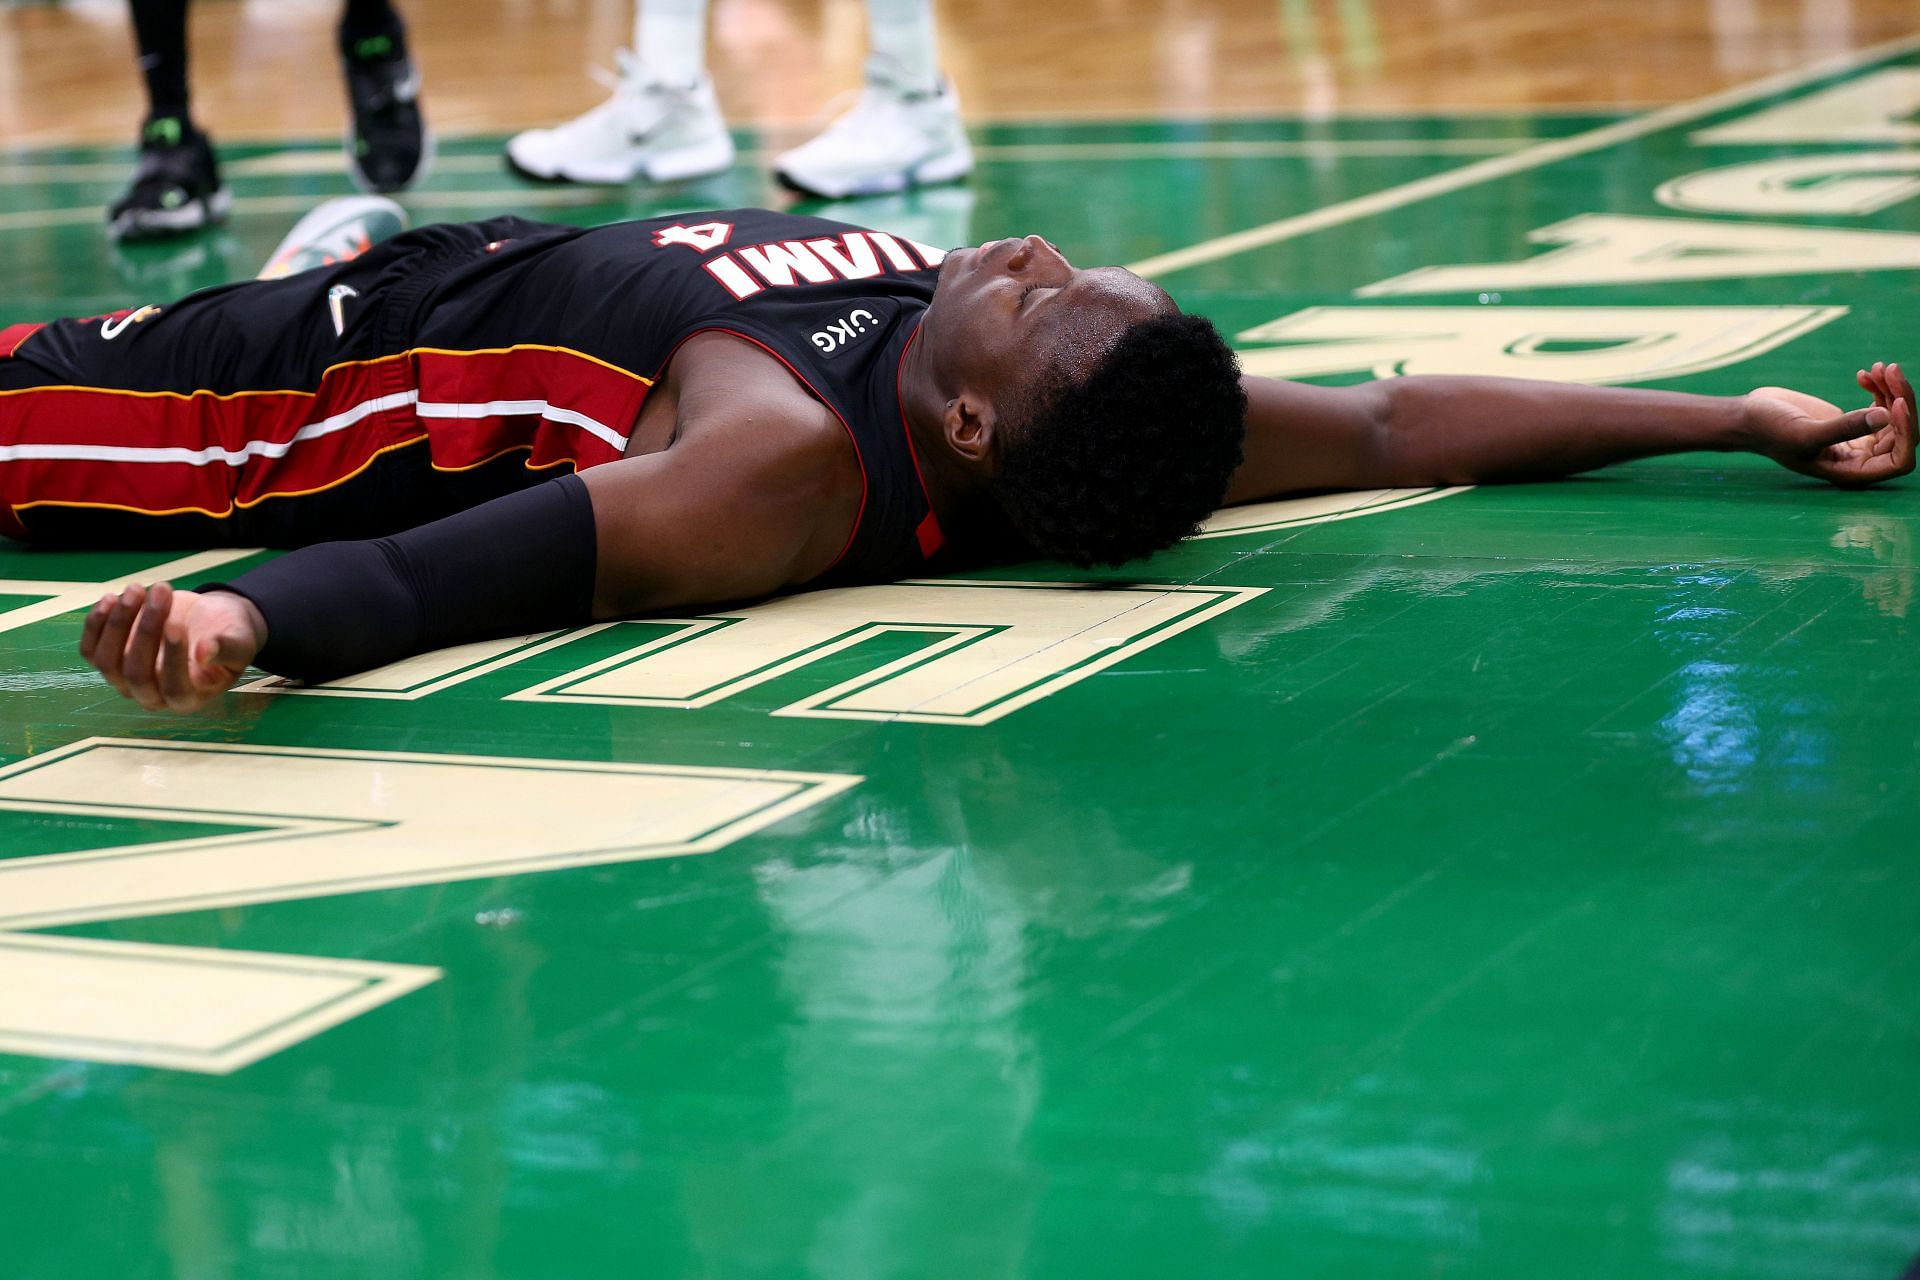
column 160, row 28
column 372, row 29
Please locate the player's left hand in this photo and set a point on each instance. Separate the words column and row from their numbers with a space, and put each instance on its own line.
column 1807, row 434
column 172, row 650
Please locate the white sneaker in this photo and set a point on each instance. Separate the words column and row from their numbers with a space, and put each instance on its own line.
column 645, row 130
column 891, row 140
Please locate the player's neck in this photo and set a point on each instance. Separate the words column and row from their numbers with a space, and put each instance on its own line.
column 951, row 486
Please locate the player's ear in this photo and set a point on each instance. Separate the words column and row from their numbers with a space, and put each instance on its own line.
column 971, row 428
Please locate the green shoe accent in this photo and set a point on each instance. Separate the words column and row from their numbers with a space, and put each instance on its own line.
column 163, row 131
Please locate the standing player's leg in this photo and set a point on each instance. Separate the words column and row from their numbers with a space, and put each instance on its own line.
column 176, row 183
column 906, row 128
column 662, row 124
column 387, row 142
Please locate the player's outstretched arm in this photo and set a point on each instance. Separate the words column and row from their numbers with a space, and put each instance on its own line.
column 1417, row 431
column 707, row 521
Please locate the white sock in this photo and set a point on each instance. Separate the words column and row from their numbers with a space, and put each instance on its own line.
column 903, row 31
column 671, row 38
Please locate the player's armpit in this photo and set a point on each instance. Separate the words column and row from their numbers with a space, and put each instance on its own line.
column 1301, row 437
column 728, row 513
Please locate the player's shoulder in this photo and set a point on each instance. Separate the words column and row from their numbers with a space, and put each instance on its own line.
column 727, row 385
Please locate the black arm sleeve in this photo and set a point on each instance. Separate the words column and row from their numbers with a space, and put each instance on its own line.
column 517, row 564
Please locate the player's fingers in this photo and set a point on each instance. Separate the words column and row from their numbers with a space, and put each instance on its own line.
column 1851, row 426
column 139, row 665
column 113, row 636
column 91, row 628
column 1903, row 435
column 176, row 680
column 1897, row 382
column 1886, row 454
column 1876, row 386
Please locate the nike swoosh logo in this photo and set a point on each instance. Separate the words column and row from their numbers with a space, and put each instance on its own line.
column 111, row 329
column 337, row 306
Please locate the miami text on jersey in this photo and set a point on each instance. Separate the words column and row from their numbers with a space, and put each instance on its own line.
column 854, row 255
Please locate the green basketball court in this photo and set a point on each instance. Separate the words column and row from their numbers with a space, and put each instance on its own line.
column 1501, row 883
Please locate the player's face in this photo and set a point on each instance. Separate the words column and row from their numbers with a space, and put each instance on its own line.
column 1006, row 311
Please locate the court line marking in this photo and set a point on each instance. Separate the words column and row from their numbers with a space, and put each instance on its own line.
column 793, row 132
column 1296, row 513
column 68, row 596
column 1244, row 149
column 423, row 837
column 166, row 972
column 1505, row 166
column 309, row 162
column 834, row 703
column 326, row 163
column 1301, row 115
column 27, row 219
column 316, row 161
column 317, row 822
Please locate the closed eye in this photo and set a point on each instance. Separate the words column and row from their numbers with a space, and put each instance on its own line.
column 1029, row 289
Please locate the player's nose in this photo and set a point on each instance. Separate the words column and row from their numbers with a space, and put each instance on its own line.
column 1037, row 253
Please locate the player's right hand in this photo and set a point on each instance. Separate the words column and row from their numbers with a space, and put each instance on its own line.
column 1852, row 450
column 172, row 650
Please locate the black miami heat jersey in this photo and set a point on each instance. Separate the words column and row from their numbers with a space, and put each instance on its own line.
column 838, row 305
column 444, row 366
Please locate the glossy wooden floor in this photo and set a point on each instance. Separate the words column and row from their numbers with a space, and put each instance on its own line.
column 1501, row 885
column 66, row 70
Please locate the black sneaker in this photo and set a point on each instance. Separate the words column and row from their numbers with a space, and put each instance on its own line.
column 388, row 144
column 176, row 185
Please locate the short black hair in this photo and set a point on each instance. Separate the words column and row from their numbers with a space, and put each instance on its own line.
column 1133, row 456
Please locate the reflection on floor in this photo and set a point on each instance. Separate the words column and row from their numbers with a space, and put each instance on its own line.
column 1385, row 884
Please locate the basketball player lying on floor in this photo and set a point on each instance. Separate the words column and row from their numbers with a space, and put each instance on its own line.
column 734, row 404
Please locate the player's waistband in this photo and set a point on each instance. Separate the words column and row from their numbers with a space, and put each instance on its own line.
column 427, row 256
column 407, row 289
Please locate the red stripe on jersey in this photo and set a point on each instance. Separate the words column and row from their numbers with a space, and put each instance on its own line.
column 560, row 406
column 167, row 453
column 929, row 533
column 14, row 334
column 929, row 536
column 161, row 453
